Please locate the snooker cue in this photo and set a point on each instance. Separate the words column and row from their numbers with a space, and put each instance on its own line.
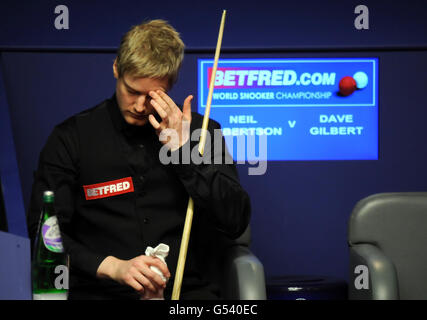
column 190, row 208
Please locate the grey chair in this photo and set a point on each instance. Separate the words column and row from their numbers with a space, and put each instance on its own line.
column 244, row 273
column 387, row 238
column 238, row 272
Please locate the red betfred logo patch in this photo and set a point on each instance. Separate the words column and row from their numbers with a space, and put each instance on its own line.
column 108, row 189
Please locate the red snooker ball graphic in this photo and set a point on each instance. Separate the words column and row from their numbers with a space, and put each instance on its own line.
column 347, row 86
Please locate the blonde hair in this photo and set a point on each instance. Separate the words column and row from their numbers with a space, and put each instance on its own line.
column 152, row 49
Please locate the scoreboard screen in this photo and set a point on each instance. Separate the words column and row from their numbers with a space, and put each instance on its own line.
column 305, row 108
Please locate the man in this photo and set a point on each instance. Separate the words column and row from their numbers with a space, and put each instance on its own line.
column 113, row 194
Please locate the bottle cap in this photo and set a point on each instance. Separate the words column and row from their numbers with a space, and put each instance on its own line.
column 48, row 196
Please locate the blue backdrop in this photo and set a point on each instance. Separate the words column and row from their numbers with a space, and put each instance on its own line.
column 300, row 208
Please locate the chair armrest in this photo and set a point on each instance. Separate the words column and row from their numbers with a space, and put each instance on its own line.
column 245, row 275
column 381, row 273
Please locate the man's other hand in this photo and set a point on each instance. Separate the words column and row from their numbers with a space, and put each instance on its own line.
column 135, row 273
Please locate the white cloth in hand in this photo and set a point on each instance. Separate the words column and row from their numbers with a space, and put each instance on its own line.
column 160, row 252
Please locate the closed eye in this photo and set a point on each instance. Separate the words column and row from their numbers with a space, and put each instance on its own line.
column 133, row 92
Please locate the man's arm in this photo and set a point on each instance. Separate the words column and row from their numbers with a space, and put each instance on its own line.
column 215, row 186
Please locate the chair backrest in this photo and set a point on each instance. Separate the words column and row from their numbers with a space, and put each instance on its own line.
column 396, row 223
column 214, row 248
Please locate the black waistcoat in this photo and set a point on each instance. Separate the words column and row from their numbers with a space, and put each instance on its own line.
column 123, row 225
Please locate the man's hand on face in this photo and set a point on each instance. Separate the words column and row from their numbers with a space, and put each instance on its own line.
column 174, row 129
column 136, row 273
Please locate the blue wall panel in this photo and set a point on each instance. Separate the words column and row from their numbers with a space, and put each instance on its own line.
column 10, row 179
column 15, row 267
column 250, row 24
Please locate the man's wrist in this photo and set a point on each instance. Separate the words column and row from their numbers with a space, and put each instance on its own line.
column 108, row 267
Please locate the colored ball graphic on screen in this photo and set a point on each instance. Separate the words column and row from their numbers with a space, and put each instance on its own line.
column 347, row 86
column 361, row 79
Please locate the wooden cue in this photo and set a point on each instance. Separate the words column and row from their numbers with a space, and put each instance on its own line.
column 190, row 208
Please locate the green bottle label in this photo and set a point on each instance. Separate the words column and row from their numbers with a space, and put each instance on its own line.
column 51, row 235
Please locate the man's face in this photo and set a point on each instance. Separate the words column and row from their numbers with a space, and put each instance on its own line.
column 133, row 99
